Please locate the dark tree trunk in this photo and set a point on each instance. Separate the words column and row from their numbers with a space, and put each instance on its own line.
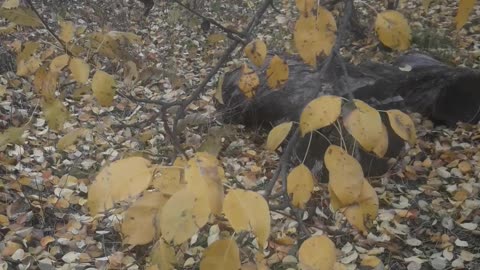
column 415, row 82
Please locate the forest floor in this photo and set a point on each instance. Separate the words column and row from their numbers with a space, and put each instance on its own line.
column 429, row 203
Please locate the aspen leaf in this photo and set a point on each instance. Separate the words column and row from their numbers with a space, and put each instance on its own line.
column 382, row 145
column 306, row 7
column 204, row 178
column 248, row 82
column 67, row 30
column 182, row 216
column 59, row 62
column 368, row 201
column 131, row 73
column 138, row 226
column 319, row 113
column 218, row 91
column 45, row 83
column 345, row 174
column 315, row 36
column 12, row 135
column 79, row 69
column 317, row 253
column 169, row 180
column 300, row 185
column 256, row 51
column 70, row 138
column 393, row 30
column 163, row 256
column 334, row 201
column 371, row 261
column 354, row 215
column 221, row 255
column 21, row 16
column 26, row 67
column 403, row 125
column 277, row 73
column 55, row 113
column 465, row 7
column 119, row 181
column 248, row 210
column 8, row 4
column 103, row 87
column 277, row 135
column 365, row 125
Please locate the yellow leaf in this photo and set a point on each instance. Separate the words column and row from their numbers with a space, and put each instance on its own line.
column 300, row 185
column 103, row 87
column 334, row 201
column 163, row 256
column 277, row 135
column 55, row 113
column 45, row 83
column 204, row 178
column 70, row 138
column 8, row 4
column 138, row 226
column 218, row 91
column 306, row 7
column 354, row 215
column 465, row 7
column 3, row 90
column 8, row 29
column 256, row 51
column 248, row 82
column 345, row 174
column 371, row 261
column 131, row 73
column 12, row 135
column 277, row 73
column 319, row 113
column 59, row 62
column 21, row 16
column 248, row 210
column 393, row 30
column 67, row 31
column 169, row 180
column 215, row 38
column 403, row 125
column 182, row 216
column 368, row 201
column 315, row 36
column 221, row 255
column 382, row 146
column 120, row 180
column 365, row 125
column 317, row 253
column 79, row 69
column 28, row 66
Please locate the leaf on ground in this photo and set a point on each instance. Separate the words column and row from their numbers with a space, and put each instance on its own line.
column 465, row 7
column 256, row 51
column 393, row 30
column 138, row 226
column 59, row 62
column 317, row 253
column 118, row 181
column 221, row 255
column 80, row 70
column 277, row 135
column 365, row 125
column 277, row 73
column 354, row 215
column 248, row 82
column 67, row 31
column 319, row 113
column 182, row 216
column 315, row 36
column 248, row 210
column 300, row 185
column 8, row 4
column 218, row 91
column 70, row 138
column 103, row 87
column 345, row 174
column 131, row 74
column 55, row 113
column 306, row 7
column 205, row 179
column 12, row 135
column 162, row 256
column 21, row 16
column 402, row 125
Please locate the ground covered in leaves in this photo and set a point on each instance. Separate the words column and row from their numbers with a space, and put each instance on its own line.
column 429, row 201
